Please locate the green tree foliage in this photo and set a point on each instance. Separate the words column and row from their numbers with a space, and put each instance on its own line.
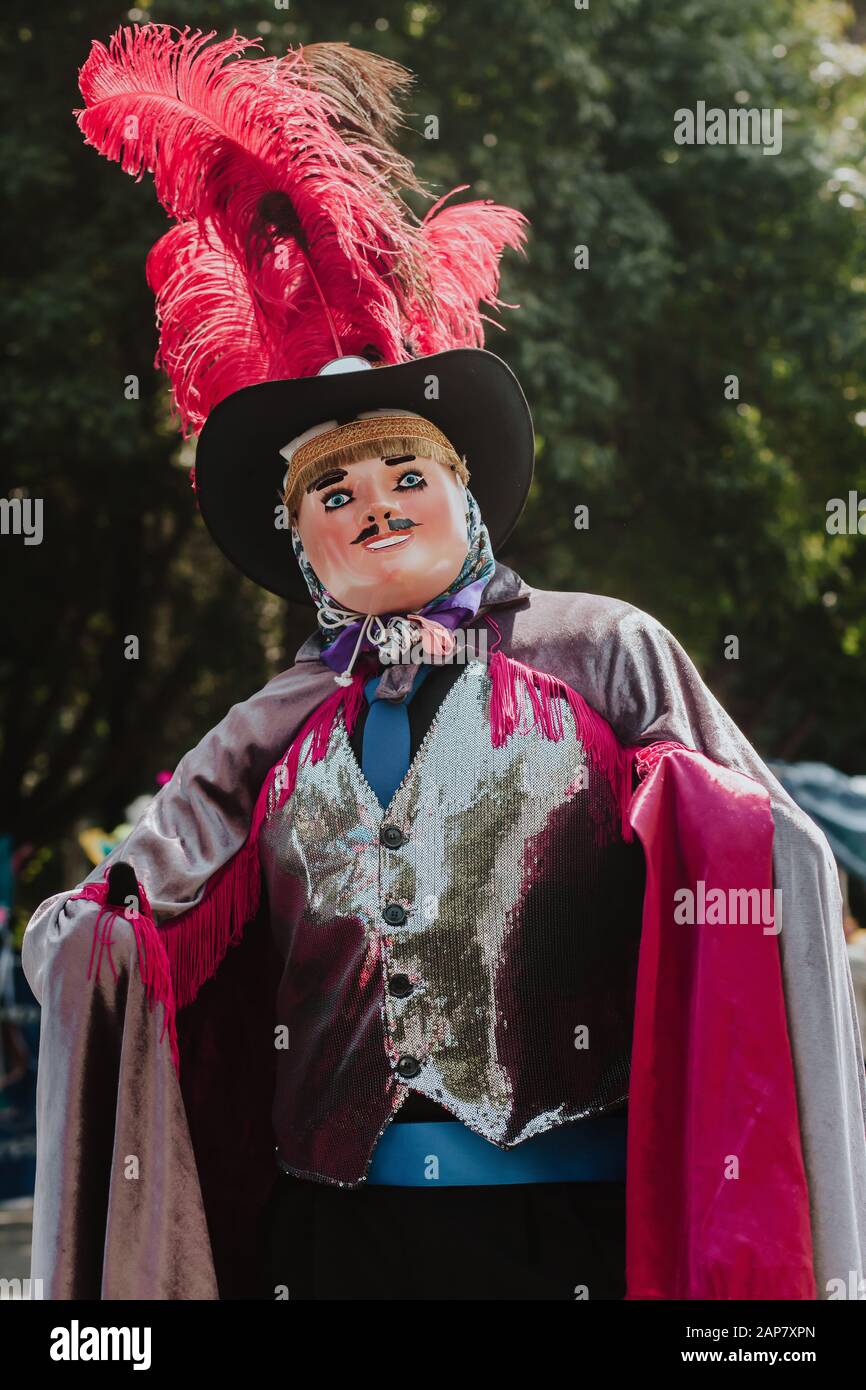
column 705, row 262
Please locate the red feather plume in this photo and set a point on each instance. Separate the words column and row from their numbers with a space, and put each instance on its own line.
column 222, row 329
column 293, row 244
column 462, row 245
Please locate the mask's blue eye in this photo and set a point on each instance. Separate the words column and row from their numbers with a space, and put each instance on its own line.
column 335, row 500
column 412, row 479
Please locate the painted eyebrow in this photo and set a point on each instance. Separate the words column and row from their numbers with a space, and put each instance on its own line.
column 337, row 474
column 333, row 477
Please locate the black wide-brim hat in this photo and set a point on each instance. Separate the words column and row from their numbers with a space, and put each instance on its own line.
column 239, row 471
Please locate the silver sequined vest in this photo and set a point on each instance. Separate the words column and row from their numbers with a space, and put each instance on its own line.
column 476, row 942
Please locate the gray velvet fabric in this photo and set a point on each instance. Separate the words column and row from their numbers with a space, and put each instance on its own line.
column 107, row 1089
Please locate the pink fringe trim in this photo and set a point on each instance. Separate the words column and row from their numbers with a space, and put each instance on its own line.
column 198, row 939
column 152, row 958
column 514, row 684
column 177, row 958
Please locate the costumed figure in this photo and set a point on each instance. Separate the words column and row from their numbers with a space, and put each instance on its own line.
column 394, row 990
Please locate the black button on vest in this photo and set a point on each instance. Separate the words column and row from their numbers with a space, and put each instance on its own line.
column 400, row 986
column 394, row 914
column 408, row 1066
column 391, row 836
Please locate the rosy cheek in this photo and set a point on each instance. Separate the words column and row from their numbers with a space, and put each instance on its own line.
column 434, row 507
column 312, row 537
column 334, row 534
column 426, row 501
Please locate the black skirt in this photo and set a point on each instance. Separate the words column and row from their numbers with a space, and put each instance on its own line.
column 529, row 1241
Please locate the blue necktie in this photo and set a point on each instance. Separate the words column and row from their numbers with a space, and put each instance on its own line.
column 387, row 742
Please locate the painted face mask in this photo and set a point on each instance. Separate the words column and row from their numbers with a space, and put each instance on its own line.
column 368, row 499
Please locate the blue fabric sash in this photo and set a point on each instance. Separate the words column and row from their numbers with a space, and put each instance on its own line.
column 447, row 1154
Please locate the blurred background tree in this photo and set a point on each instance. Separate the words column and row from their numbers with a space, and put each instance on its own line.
column 705, row 262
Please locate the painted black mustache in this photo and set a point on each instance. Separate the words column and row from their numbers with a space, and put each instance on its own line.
column 399, row 523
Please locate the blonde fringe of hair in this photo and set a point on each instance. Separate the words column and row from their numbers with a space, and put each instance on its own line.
column 393, row 445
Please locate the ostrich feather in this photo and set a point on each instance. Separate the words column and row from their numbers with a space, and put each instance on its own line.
column 211, row 339
column 463, row 245
column 293, row 243
column 363, row 91
column 222, row 329
column 251, row 150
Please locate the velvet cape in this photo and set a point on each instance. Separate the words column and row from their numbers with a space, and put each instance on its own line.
column 147, row 1183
